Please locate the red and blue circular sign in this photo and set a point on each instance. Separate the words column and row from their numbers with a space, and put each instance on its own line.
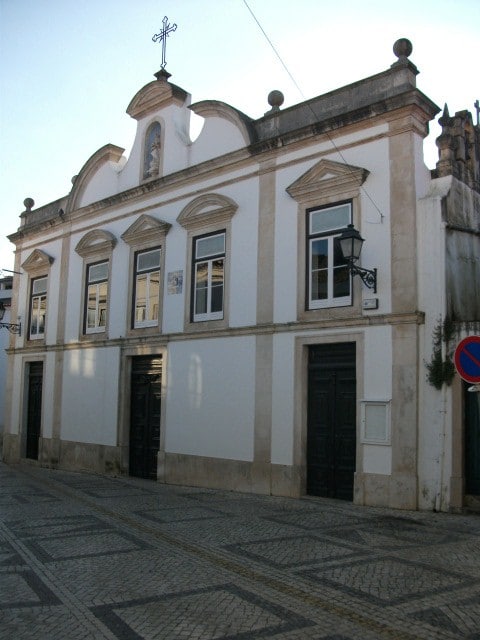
column 467, row 359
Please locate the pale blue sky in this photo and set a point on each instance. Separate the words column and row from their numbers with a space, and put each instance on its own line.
column 69, row 69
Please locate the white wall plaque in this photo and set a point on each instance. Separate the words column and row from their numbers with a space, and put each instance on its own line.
column 375, row 421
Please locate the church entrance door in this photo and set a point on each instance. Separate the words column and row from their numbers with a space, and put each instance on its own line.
column 146, row 385
column 34, row 408
column 331, row 422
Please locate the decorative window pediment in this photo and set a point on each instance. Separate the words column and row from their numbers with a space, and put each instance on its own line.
column 95, row 243
column 212, row 208
column 145, row 229
column 38, row 260
column 328, row 178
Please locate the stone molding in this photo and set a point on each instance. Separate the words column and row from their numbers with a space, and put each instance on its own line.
column 326, row 179
column 145, row 229
column 96, row 242
column 211, row 208
column 38, row 260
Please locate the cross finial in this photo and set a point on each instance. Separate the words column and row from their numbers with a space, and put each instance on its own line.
column 477, row 109
column 162, row 37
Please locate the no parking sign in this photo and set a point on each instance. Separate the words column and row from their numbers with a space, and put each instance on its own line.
column 467, row 359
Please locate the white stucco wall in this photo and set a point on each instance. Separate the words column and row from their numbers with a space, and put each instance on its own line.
column 243, row 263
column 283, row 387
column 377, row 385
column 210, row 398
column 48, row 394
column 218, row 136
column 434, row 439
column 90, row 390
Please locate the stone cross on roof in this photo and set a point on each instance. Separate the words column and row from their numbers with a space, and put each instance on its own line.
column 162, row 37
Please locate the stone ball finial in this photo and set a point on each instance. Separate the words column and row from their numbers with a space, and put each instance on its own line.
column 275, row 99
column 28, row 203
column 402, row 48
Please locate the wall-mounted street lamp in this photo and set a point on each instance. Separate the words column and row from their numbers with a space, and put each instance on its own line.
column 13, row 328
column 351, row 245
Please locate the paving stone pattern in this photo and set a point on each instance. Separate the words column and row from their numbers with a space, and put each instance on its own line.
column 89, row 557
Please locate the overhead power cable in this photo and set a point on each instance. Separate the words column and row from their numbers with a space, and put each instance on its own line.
column 332, row 141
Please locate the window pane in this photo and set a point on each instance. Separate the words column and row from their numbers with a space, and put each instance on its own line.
column 201, row 276
column 148, row 260
column 341, row 274
column 102, row 304
column 331, row 218
column 320, row 285
column 210, row 246
column 91, row 306
column 98, row 272
column 41, row 314
column 141, row 301
column 320, row 254
column 217, row 286
column 153, row 294
column 39, row 285
column 341, row 282
column 201, row 301
column 217, row 272
column 201, row 287
column 217, row 298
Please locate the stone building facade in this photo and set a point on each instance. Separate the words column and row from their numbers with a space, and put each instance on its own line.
column 189, row 315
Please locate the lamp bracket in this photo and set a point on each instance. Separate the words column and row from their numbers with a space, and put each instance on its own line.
column 13, row 328
column 368, row 276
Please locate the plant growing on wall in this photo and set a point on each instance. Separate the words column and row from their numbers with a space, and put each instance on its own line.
column 441, row 369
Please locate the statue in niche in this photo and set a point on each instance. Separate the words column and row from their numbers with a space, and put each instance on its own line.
column 151, row 165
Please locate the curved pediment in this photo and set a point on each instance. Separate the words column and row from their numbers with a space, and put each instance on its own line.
column 107, row 153
column 211, row 208
column 217, row 109
column 153, row 96
column 328, row 178
column 145, row 229
column 36, row 261
column 96, row 242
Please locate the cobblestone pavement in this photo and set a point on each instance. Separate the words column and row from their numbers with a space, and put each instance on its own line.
column 91, row 557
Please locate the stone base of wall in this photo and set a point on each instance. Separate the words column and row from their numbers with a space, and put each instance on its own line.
column 232, row 475
column 472, row 503
column 81, row 456
column 11, row 448
column 398, row 491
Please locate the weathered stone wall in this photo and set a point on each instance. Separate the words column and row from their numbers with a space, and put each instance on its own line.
column 462, row 215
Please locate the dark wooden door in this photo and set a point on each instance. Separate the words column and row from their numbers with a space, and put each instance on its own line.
column 146, row 386
column 472, row 442
column 34, row 408
column 331, row 422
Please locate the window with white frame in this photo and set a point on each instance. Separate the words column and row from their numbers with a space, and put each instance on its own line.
column 208, row 276
column 147, row 288
column 38, row 307
column 96, row 297
column 328, row 277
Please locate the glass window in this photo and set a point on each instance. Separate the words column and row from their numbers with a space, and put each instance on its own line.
column 328, row 275
column 96, row 298
column 38, row 308
column 208, row 277
column 147, row 288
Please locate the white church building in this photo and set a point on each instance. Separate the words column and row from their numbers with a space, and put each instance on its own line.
column 188, row 314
